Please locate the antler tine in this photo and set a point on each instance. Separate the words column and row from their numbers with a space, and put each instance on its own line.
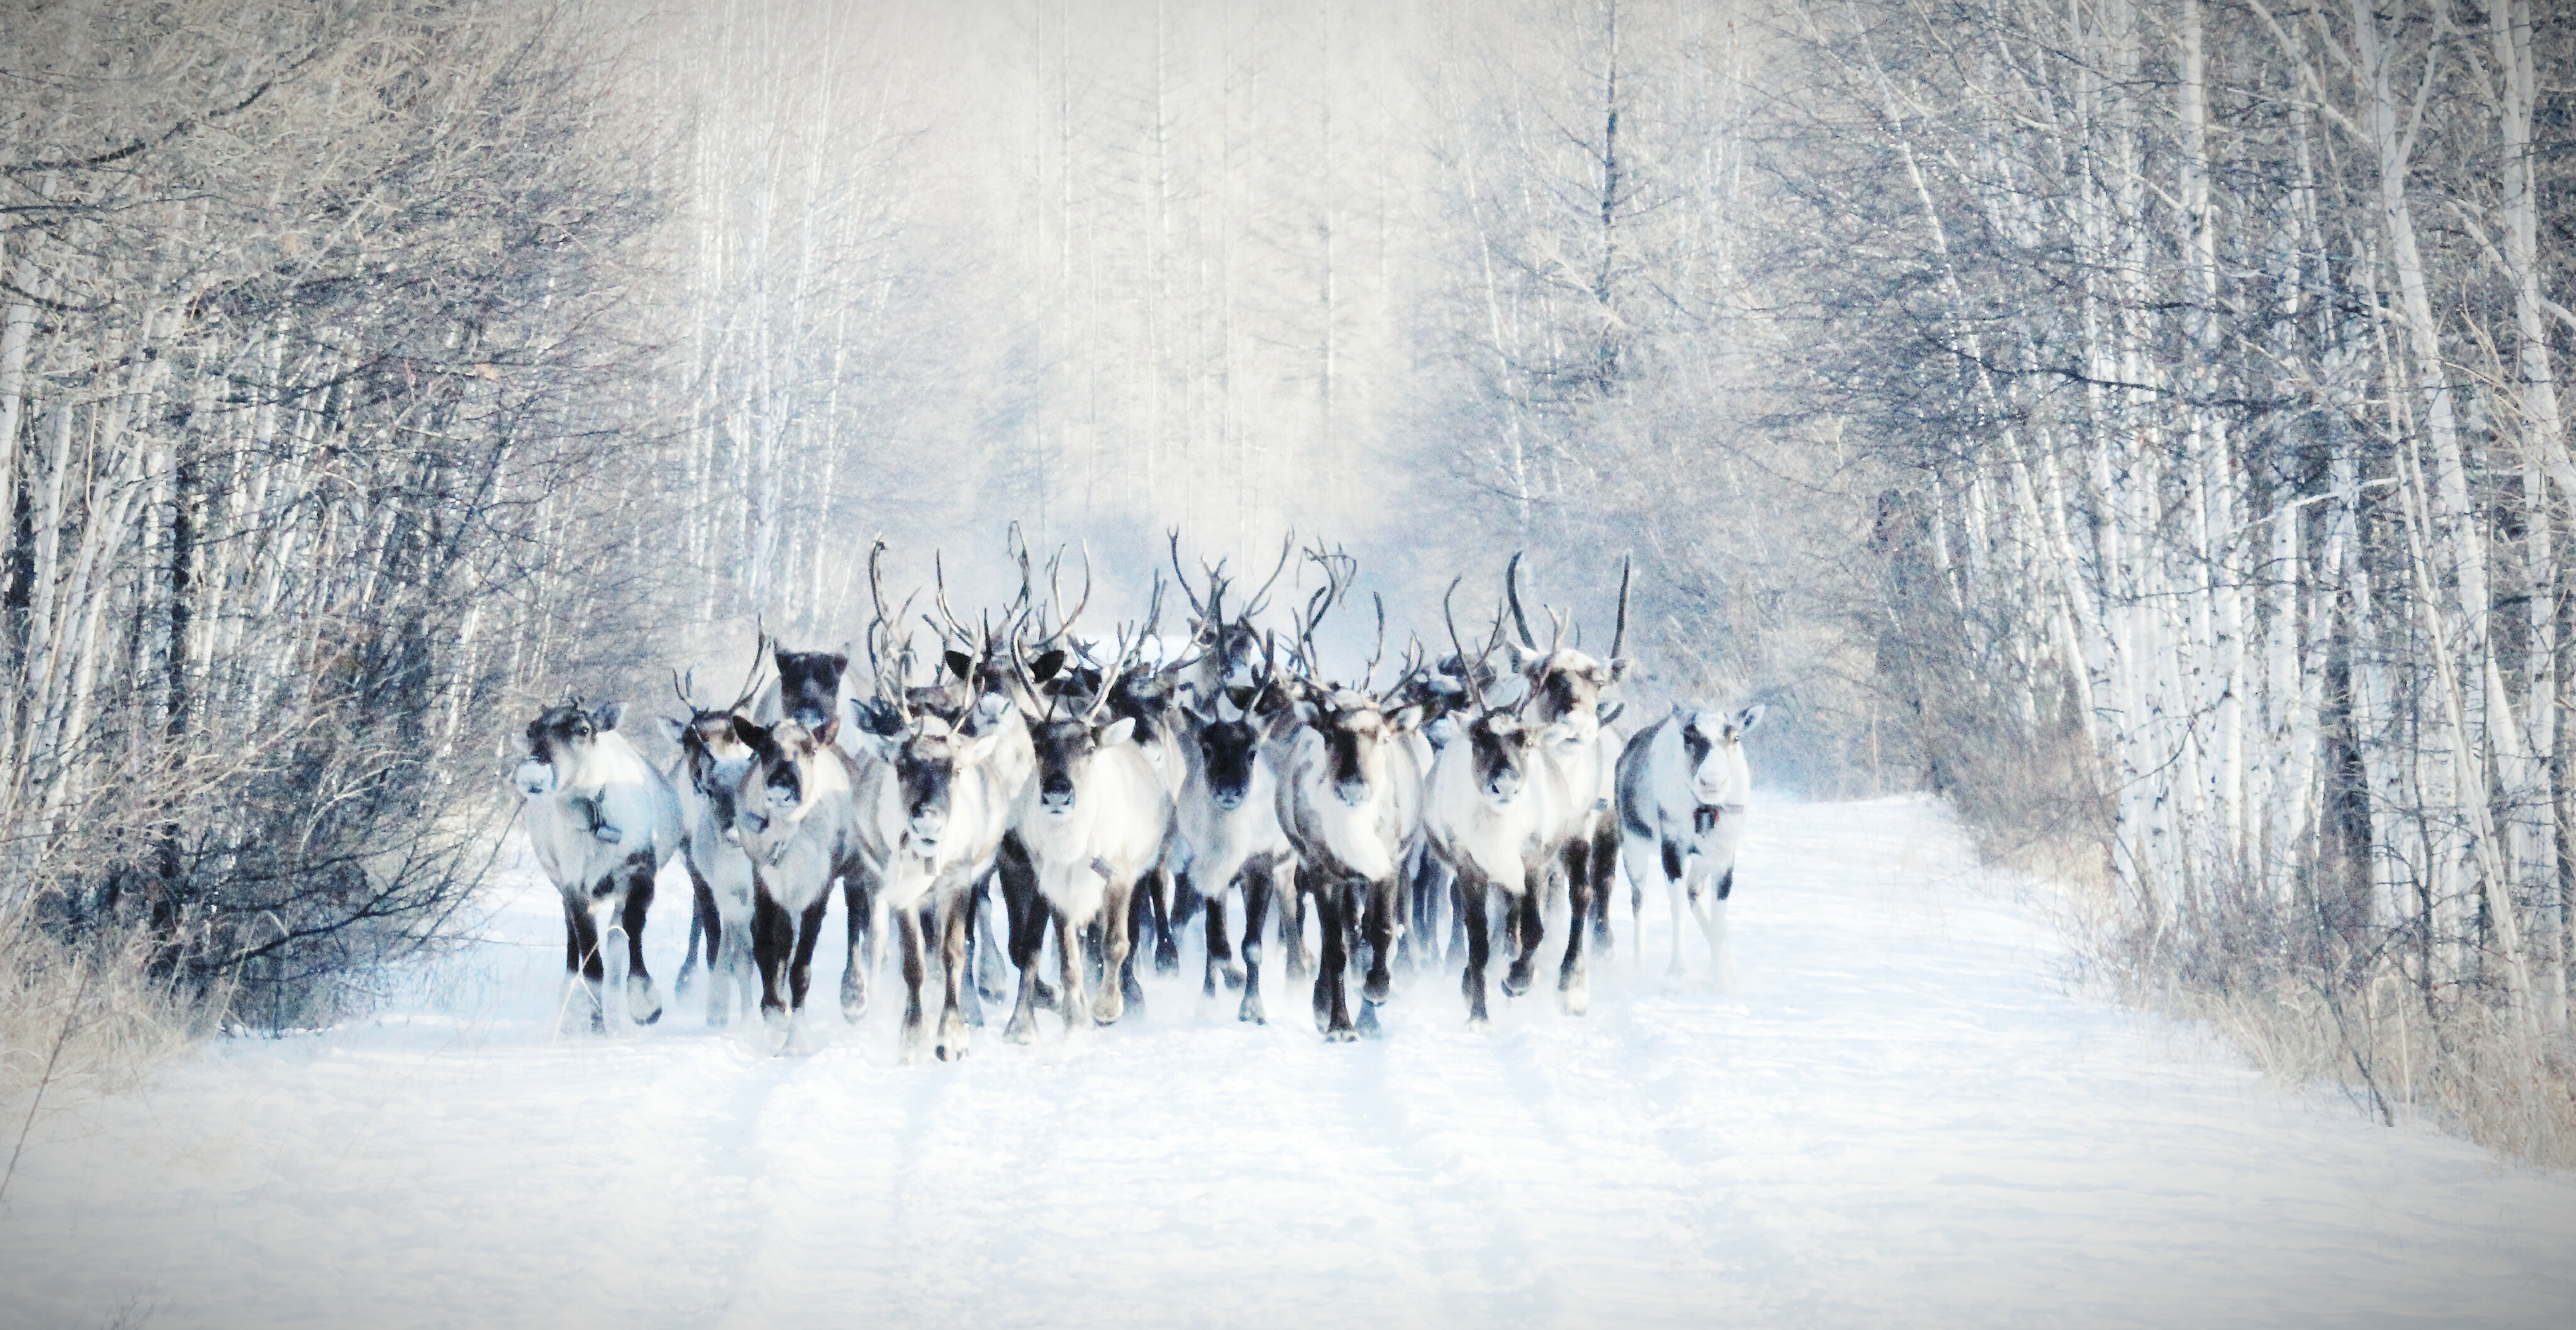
column 1619, row 635
column 1154, row 607
column 683, row 687
column 1557, row 638
column 939, row 596
column 1126, row 650
column 1261, row 599
column 1466, row 667
column 759, row 657
column 1195, row 607
column 1369, row 675
column 1512, row 589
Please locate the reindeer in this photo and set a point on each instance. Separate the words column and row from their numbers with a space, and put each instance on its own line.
column 1349, row 801
column 602, row 822
column 795, row 816
column 1486, row 814
column 713, row 758
column 1567, row 689
column 931, row 798
column 1228, row 815
column 1092, row 822
column 1682, row 786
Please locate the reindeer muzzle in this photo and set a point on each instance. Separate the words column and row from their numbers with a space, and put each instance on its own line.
column 1352, row 793
column 534, row 779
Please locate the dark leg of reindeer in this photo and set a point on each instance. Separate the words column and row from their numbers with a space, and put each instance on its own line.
column 1379, row 925
column 809, row 930
column 858, row 902
column 773, row 941
column 908, row 927
column 1025, row 938
column 1256, row 908
column 1140, row 914
column 1333, row 902
column 1292, row 923
column 643, row 1005
column 957, row 1016
column 1573, row 977
column 1186, row 899
column 1605, row 876
column 1471, row 900
column 1118, row 956
column 1220, row 949
column 1024, row 912
column 1529, row 928
column 581, row 958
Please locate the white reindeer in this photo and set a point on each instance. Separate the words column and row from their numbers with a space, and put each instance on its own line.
column 1682, row 788
column 602, row 822
column 713, row 759
column 1092, row 821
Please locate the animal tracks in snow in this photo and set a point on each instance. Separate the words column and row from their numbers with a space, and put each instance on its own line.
column 1901, row 1118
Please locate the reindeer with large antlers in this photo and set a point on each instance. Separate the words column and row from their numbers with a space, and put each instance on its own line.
column 1349, row 799
column 1092, row 820
column 931, row 811
column 713, row 758
column 1485, row 808
column 1569, row 688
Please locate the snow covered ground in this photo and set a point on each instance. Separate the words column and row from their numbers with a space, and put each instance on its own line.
column 1902, row 1118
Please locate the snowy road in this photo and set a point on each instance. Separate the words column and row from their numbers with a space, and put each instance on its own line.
column 1901, row 1119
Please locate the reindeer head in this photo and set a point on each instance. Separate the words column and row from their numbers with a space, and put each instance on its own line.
column 928, row 755
column 711, row 751
column 1066, row 745
column 1501, row 745
column 560, row 743
column 1228, row 736
column 809, row 689
column 1713, row 752
column 1356, row 729
column 777, row 788
column 1566, row 685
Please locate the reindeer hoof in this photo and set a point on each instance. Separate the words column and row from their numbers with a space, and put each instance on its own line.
column 1251, row 1010
column 1574, row 1001
column 1341, row 1034
column 1479, row 1025
column 1377, row 988
column 642, row 1003
column 1020, row 1030
column 1515, row 984
column 1167, row 959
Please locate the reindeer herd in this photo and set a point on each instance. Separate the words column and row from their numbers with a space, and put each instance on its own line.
column 1106, row 793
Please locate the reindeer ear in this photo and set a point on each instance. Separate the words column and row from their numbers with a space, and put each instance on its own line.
column 1607, row 712
column 960, row 665
column 1403, row 719
column 1045, row 666
column 608, row 714
column 673, row 729
column 1620, row 668
column 1117, row 732
column 1748, row 718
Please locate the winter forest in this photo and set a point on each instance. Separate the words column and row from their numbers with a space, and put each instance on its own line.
column 2131, row 422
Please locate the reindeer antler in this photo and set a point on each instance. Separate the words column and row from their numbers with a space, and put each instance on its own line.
column 1466, row 667
column 1512, row 589
column 1261, row 599
column 1619, row 636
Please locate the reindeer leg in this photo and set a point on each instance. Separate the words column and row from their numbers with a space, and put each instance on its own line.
column 1472, row 894
column 1676, row 883
column 1292, row 923
column 702, row 923
column 1167, row 949
column 1605, row 875
column 1380, row 927
column 773, row 942
column 1573, row 974
column 908, row 927
column 643, row 1004
column 1023, row 1025
column 581, row 959
column 988, row 957
column 800, row 970
column 1712, row 920
column 1529, row 928
column 960, row 994
column 1220, row 949
column 1025, row 911
column 1256, row 906
column 1334, row 903
column 1070, row 1001
column 1117, row 948
column 858, row 902
column 1139, row 914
